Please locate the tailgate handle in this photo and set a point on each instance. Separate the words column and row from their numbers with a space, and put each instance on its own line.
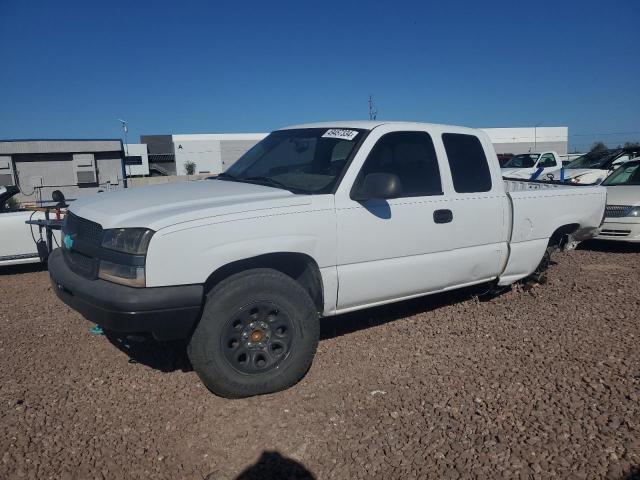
column 442, row 216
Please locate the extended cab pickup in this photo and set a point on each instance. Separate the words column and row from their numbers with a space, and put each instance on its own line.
column 313, row 221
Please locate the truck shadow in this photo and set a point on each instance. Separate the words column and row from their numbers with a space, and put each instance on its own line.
column 331, row 327
column 609, row 246
column 172, row 356
column 163, row 356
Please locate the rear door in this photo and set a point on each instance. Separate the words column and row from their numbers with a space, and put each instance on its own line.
column 481, row 212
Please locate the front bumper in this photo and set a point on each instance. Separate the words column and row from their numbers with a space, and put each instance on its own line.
column 621, row 231
column 167, row 313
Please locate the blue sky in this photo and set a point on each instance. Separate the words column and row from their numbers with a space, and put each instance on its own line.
column 71, row 68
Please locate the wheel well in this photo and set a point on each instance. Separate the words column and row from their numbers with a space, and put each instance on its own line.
column 559, row 237
column 302, row 268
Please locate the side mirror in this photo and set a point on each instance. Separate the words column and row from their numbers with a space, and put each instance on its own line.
column 378, row 185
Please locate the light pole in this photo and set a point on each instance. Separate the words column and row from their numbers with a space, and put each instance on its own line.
column 535, row 136
column 125, row 129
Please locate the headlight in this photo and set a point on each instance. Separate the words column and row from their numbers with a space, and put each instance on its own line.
column 634, row 212
column 127, row 240
column 130, row 275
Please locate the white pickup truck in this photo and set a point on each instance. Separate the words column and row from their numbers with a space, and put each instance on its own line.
column 313, row 221
column 546, row 164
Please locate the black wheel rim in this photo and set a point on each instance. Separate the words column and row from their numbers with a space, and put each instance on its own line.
column 258, row 338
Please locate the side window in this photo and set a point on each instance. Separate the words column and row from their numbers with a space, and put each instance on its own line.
column 409, row 155
column 468, row 163
column 547, row 160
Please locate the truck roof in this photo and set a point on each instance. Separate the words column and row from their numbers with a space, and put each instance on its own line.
column 371, row 124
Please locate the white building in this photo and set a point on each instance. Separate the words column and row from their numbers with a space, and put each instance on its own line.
column 212, row 153
column 136, row 159
column 529, row 139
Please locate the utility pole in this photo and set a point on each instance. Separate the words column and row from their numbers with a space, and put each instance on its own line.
column 125, row 129
column 535, row 136
column 373, row 111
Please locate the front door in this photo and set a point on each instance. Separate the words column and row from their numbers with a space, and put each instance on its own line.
column 389, row 249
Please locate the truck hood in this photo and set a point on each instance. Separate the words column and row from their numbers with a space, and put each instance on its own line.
column 623, row 195
column 516, row 172
column 159, row 206
column 587, row 175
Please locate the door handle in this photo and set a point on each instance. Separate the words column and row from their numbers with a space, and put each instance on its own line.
column 442, row 216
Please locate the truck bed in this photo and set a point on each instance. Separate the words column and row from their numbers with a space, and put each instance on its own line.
column 538, row 208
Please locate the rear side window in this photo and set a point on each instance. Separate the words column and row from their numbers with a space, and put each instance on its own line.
column 409, row 155
column 468, row 163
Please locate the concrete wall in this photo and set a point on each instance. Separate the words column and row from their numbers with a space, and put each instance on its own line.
column 232, row 150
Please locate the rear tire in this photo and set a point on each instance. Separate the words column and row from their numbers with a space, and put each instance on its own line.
column 258, row 334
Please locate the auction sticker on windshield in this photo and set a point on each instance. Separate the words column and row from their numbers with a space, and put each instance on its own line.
column 340, row 133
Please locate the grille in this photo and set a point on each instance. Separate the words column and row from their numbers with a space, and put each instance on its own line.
column 615, row 211
column 614, row 233
column 85, row 230
column 81, row 264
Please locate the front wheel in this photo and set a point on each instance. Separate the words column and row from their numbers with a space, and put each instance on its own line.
column 258, row 334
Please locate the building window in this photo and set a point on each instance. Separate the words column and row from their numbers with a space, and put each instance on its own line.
column 133, row 160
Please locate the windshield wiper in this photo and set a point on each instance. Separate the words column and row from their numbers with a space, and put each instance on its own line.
column 270, row 182
column 227, row 176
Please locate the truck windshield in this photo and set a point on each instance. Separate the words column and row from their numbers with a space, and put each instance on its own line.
column 627, row 174
column 526, row 160
column 308, row 160
column 598, row 159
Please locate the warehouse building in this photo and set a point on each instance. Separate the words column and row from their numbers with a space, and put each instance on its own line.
column 214, row 153
column 529, row 139
column 136, row 160
column 211, row 153
column 75, row 167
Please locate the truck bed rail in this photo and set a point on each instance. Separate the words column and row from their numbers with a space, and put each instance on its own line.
column 519, row 184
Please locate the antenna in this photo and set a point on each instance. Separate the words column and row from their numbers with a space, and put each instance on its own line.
column 373, row 111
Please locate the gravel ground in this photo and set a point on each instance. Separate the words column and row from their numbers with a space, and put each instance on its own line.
column 535, row 383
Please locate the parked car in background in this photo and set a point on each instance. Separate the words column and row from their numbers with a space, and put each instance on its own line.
column 504, row 158
column 622, row 213
column 17, row 239
column 594, row 167
column 524, row 165
column 314, row 220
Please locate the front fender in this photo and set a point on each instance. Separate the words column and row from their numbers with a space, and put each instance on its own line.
column 190, row 254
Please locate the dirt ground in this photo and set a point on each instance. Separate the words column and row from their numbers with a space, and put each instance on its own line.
column 535, row 383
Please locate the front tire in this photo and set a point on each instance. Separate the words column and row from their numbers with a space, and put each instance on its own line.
column 258, row 334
